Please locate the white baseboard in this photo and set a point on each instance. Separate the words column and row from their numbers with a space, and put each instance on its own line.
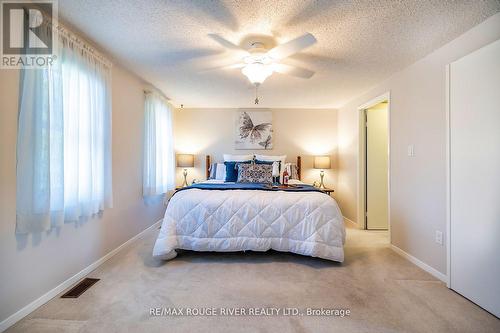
column 354, row 224
column 432, row 271
column 11, row 320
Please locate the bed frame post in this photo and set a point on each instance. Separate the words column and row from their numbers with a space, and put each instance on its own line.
column 299, row 167
column 207, row 166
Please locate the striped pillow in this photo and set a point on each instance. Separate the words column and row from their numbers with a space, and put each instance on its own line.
column 217, row 171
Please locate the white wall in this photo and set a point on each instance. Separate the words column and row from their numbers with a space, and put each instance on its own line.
column 304, row 132
column 32, row 265
column 418, row 184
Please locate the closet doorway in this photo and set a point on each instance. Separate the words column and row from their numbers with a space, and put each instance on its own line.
column 374, row 164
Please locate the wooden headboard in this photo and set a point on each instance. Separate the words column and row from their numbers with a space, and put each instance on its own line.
column 208, row 161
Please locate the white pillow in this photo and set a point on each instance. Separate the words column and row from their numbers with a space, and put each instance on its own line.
column 274, row 158
column 220, row 171
column 237, row 158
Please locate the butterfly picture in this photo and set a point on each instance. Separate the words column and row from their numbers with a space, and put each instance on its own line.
column 266, row 142
column 254, row 130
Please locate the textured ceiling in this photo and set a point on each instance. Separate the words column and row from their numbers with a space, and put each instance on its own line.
column 359, row 43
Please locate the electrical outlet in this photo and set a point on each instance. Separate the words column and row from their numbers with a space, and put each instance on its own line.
column 439, row 237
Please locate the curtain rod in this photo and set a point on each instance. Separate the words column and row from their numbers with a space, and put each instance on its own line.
column 157, row 92
column 83, row 45
column 61, row 30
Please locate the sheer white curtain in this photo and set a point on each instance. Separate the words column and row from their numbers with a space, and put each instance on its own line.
column 159, row 156
column 64, row 139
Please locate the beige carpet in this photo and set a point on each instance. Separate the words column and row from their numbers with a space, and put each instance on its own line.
column 384, row 292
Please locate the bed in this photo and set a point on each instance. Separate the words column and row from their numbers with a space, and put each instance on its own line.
column 229, row 217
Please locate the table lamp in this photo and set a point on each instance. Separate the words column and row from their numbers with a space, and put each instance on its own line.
column 322, row 163
column 185, row 161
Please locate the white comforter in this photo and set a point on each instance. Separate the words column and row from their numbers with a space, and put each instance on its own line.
column 308, row 223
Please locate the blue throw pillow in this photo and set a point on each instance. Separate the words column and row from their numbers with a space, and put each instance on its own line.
column 232, row 170
column 264, row 162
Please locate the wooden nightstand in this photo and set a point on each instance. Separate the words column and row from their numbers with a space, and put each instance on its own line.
column 328, row 191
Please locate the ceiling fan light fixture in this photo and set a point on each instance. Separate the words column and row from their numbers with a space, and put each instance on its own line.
column 257, row 73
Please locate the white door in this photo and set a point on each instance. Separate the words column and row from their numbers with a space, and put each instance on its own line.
column 376, row 167
column 475, row 177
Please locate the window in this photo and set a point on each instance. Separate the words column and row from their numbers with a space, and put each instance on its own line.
column 64, row 139
column 159, row 156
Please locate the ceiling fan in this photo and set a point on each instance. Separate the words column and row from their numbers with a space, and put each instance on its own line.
column 260, row 57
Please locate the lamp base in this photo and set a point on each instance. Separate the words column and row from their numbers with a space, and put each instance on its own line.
column 321, row 184
column 185, row 183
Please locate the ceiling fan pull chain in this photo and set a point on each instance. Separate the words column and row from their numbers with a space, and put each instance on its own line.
column 256, row 94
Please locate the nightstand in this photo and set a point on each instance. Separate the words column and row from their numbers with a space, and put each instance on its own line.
column 328, row 191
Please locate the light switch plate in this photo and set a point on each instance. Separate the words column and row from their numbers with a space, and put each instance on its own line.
column 411, row 150
column 439, row 237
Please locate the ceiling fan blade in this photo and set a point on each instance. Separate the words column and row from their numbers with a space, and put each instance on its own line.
column 293, row 70
column 225, row 67
column 224, row 42
column 292, row 47
column 226, row 58
column 235, row 66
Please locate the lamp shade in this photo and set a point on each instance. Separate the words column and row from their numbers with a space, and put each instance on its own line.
column 322, row 162
column 185, row 160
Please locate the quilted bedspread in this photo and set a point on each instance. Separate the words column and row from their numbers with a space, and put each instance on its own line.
column 307, row 223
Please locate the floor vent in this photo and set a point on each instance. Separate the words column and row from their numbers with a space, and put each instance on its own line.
column 80, row 288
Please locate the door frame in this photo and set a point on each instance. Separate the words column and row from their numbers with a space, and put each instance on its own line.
column 362, row 159
column 448, row 175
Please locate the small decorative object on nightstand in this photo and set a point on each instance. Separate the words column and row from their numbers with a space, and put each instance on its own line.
column 322, row 163
column 185, row 161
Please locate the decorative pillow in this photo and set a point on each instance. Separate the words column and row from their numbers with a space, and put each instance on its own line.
column 276, row 169
column 217, row 171
column 213, row 171
column 273, row 158
column 232, row 170
column 237, row 158
column 293, row 170
column 220, row 173
column 255, row 173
